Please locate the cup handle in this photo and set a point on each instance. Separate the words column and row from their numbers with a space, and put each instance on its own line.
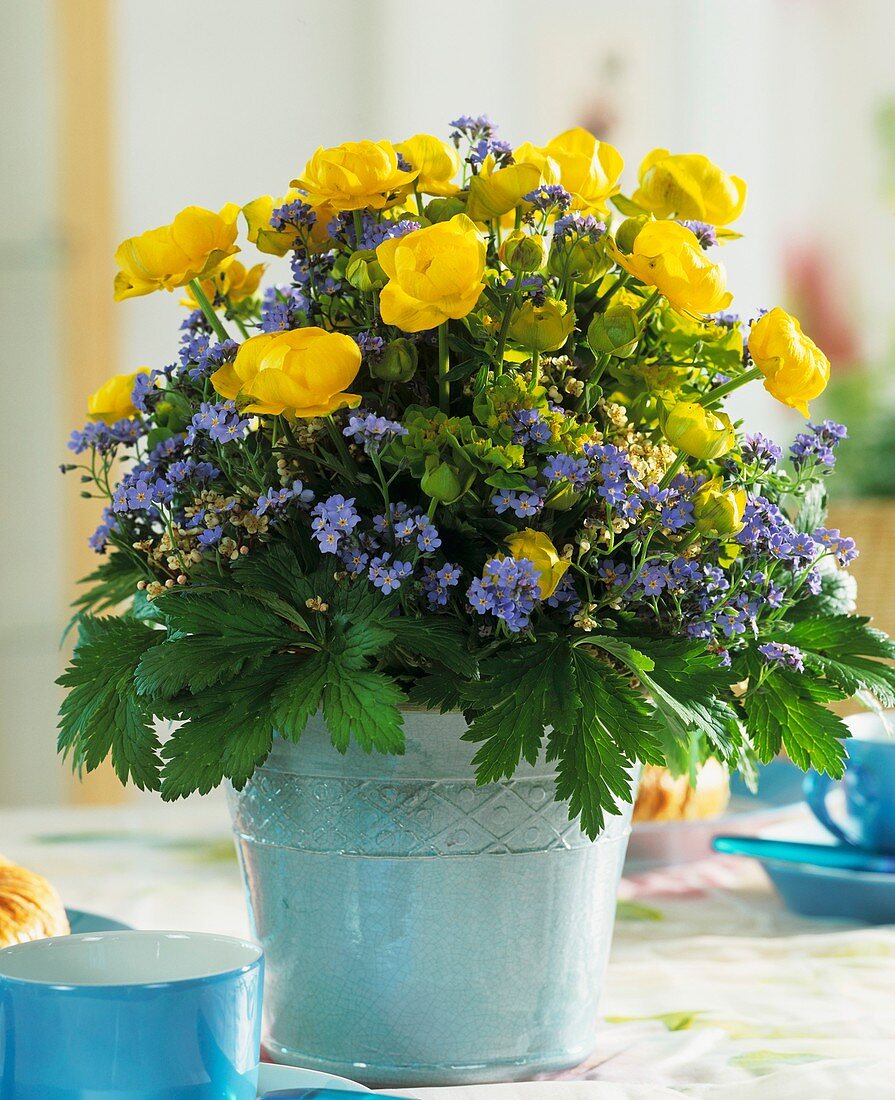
column 816, row 788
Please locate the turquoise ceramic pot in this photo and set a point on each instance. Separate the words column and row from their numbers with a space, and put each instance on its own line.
column 419, row 929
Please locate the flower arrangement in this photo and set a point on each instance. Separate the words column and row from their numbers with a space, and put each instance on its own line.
column 472, row 454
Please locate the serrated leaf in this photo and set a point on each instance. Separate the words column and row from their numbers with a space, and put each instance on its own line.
column 102, row 715
column 439, row 691
column 213, row 635
column 689, row 684
column 623, row 651
column 843, row 648
column 786, row 711
column 227, row 732
column 361, row 705
column 297, row 696
column 436, row 639
column 524, row 689
column 614, row 728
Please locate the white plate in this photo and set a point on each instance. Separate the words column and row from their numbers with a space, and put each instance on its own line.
column 272, row 1077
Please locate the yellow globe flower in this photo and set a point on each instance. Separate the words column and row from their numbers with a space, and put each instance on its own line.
column 719, row 512
column 540, row 551
column 302, row 373
column 113, row 400
column 697, row 431
column 588, row 169
column 192, row 246
column 433, row 274
column 547, row 167
column 233, row 281
column 436, row 162
column 668, row 256
column 688, row 185
column 356, row 175
column 795, row 369
column 277, row 242
column 496, row 191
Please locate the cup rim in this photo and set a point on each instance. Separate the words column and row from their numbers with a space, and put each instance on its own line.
column 859, row 724
column 132, row 933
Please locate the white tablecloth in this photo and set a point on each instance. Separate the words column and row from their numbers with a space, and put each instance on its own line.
column 714, row 989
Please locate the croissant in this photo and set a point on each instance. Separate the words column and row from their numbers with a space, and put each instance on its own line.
column 30, row 909
column 661, row 797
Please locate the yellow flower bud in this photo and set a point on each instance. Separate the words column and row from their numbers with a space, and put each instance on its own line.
column 302, row 373
column 397, row 363
column 436, row 162
column 627, row 232
column 433, row 274
column 541, row 328
column 113, row 401
column 668, row 256
column 795, row 369
column 192, row 246
column 523, row 251
column 442, row 210
column 698, row 432
column 357, row 175
column 689, row 186
column 444, row 483
column 616, row 331
column 537, row 548
column 364, row 271
column 719, row 512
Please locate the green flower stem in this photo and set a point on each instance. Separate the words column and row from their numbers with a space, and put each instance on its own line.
column 341, row 446
column 669, row 474
column 444, row 365
column 535, row 371
column 207, row 309
column 358, row 227
column 502, row 337
column 604, row 299
column 242, row 328
column 648, row 304
column 729, row 387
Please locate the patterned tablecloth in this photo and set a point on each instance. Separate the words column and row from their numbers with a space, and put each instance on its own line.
column 714, row 989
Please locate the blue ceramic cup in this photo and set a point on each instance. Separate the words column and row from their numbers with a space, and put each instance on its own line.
column 130, row 1016
column 865, row 818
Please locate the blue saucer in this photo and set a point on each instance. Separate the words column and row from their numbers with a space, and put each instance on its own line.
column 81, row 921
column 813, row 891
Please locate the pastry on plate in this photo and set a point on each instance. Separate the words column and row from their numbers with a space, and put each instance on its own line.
column 30, row 909
column 662, row 797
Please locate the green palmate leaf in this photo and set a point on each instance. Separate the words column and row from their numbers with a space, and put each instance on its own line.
column 363, row 705
column 214, row 635
column 524, row 689
column 436, row 639
column 786, row 711
column 279, row 570
column 614, row 727
column 297, row 696
column 195, row 661
column 623, row 651
column 441, row 691
column 845, row 649
column 102, row 715
column 688, row 686
column 227, row 732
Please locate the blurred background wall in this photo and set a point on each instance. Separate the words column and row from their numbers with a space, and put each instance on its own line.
column 120, row 112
